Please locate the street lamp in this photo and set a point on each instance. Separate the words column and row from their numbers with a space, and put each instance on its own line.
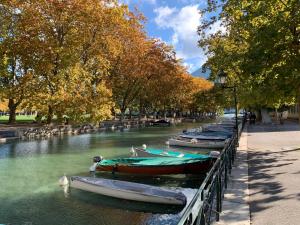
column 222, row 80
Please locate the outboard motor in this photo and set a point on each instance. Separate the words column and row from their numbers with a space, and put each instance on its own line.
column 214, row 154
column 96, row 159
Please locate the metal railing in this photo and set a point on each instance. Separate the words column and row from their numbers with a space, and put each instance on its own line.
column 206, row 205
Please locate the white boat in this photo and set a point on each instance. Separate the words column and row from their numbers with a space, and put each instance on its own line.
column 194, row 143
column 128, row 190
column 218, row 129
column 203, row 137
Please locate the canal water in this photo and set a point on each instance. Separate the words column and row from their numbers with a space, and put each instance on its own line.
column 29, row 173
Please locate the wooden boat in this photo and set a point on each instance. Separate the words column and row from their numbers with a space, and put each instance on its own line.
column 150, row 152
column 155, row 166
column 128, row 190
column 195, row 143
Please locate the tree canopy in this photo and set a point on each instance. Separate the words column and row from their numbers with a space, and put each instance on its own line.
column 259, row 48
column 85, row 59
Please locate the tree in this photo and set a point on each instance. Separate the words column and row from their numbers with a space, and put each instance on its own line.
column 75, row 43
column 201, row 89
column 259, row 50
column 17, row 80
column 126, row 77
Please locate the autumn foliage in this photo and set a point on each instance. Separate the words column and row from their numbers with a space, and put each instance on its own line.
column 87, row 59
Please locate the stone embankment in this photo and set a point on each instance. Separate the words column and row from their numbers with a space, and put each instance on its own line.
column 47, row 131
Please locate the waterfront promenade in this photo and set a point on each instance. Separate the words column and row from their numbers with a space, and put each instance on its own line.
column 273, row 162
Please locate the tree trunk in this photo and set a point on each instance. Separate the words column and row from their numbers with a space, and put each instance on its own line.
column 113, row 112
column 130, row 114
column 38, row 117
column 50, row 114
column 59, row 117
column 122, row 114
column 140, row 112
column 12, row 111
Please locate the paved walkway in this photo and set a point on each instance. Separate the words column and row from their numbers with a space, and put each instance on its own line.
column 235, row 207
column 272, row 153
column 274, row 174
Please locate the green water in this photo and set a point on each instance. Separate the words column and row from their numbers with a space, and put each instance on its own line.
column 29, row 173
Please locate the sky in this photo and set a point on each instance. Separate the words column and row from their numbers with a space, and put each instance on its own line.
column 175, row 22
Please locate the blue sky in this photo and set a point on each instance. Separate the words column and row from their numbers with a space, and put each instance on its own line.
column 175, row 22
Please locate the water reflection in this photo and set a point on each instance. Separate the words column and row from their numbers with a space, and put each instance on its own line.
column 52, row 145
column 29, row 173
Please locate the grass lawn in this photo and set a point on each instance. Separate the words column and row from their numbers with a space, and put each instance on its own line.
column 19, row 118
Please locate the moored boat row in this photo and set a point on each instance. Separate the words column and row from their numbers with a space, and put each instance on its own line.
column 210, row 136
column 155, row 162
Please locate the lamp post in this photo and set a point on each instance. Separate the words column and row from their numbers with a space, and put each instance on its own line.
column 222, row 80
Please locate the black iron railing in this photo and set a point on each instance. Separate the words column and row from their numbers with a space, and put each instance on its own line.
column 206, row 205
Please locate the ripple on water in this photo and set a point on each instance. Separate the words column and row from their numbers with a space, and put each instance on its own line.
column 29, row 172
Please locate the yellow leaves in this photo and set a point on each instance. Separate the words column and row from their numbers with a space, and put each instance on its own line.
column 201, row 84
column 259, row 21
column 80, row 58
column 3, row 105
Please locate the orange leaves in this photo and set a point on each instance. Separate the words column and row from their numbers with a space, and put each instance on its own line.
column 200, row 84
column 83, row 57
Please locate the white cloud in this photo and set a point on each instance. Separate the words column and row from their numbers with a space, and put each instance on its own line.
column 216, row 27
column 190, row 66
column 163, row 15
column 174, row 39
column 184, row 23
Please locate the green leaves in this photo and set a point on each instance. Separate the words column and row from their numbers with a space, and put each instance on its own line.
column 259, row 51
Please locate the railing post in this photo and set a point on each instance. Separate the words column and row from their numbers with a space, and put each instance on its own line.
column 235, row 147
column 201, row 218
column 226, row 170
column 229, row 155
column 218, row 205
column 221, row 190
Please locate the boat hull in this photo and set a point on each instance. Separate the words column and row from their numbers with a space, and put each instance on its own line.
column 188, row 168
column 197, row 144
column 128, row 190
column 205, row 137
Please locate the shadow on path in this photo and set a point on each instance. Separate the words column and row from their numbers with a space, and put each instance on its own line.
column 273, row 171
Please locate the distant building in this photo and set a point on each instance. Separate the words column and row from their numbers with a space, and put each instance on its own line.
column 202, row 72
column 294, row 111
